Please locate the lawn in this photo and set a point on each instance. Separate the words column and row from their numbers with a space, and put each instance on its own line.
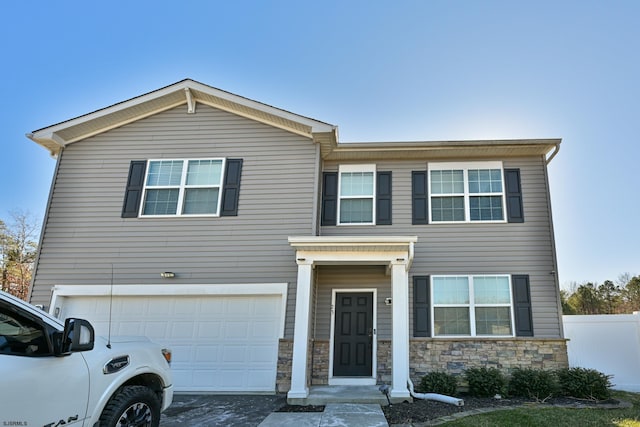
column 541, row 416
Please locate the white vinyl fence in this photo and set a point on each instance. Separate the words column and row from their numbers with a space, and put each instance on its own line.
column 609, row 343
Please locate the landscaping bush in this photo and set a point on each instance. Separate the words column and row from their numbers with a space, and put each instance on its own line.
column 533, row 384
column 485, row 382
column 585, row 383
column 438, row 382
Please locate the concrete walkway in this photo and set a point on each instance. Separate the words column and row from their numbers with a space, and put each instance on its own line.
column 334, row 415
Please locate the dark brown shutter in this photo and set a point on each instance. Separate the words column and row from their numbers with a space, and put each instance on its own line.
column 231, row 189
column 383, row 198
column 329, row 198
column 522, row 305
column 421, row 309
column 515, row 212
column 133, row 192
column 419, row 198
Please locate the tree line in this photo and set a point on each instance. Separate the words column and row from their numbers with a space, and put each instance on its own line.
column 620, row 297
column 18, row 249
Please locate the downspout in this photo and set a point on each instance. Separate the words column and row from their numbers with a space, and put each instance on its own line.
column 434, row 396
column 315, row 227
column 554, row 273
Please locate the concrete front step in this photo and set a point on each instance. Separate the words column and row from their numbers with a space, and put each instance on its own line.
column 322, row 395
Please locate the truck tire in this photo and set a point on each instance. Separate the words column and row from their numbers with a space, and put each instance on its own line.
column 132, row 406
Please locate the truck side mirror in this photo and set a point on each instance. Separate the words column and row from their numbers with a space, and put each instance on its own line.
column 78, row 335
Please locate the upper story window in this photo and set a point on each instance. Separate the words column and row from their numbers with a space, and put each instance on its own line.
column 183, row 187
column 472, row 305
column 357, row 189
column 466, row 192
column 356, row 195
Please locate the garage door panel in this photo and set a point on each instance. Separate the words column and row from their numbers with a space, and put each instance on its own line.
column 262, row 354
column 263, row 329
column 258, row 377
column 155, row 329
column 206, row 353
column 219, row 343
column 210, row 330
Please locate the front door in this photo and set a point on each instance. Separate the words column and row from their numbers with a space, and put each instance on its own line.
column 353, row 335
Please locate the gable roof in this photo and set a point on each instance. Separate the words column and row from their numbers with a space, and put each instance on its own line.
column 190, row 92
column 186, row 92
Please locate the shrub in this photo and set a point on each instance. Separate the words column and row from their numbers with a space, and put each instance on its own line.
column 438, row 382
column 533, row 383
column 585, row 383
column 485, row 382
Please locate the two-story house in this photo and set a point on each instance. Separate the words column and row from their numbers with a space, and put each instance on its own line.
column 270, row 256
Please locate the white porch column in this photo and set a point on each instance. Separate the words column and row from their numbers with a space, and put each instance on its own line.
column 299, row 389
column 400, row 329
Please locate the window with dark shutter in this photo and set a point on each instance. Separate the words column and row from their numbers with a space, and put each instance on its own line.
column 522, row 305
column 231, row 189
column 329, row 198
column 419, row 198
column 133, row 192
column 383, row 198
column 515, row 212
column 421, row 310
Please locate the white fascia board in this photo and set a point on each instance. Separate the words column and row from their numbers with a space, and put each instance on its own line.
column 49, row 132
column 315, row 125
column 353, row 257
column 350, row 240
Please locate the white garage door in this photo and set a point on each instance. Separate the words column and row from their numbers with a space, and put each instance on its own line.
column 219, row 343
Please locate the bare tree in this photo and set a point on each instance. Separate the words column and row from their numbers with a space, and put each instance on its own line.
column 18, row 249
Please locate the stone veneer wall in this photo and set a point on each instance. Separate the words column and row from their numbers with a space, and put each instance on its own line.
column 427, row 355
column 456, row 355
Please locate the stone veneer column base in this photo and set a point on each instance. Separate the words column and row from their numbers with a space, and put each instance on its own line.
column 427, row 354
column 283, row 374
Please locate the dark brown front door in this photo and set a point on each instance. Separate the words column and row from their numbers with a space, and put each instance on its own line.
column 353, row 334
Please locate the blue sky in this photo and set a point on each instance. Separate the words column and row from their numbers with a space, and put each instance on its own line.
column 380, row 70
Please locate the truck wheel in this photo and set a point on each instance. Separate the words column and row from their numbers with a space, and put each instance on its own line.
column 132, row 406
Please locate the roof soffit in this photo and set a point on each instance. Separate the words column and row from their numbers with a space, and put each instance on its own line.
column 57, row 136
column 437, row 149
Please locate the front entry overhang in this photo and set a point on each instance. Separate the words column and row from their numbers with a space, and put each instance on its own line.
column 394, row 252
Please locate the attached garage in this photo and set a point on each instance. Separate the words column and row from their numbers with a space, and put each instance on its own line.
column 224, row 338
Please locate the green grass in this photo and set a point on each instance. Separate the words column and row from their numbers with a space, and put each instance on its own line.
column 536, row 416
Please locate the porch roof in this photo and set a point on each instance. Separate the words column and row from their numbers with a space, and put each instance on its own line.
column 354, row 249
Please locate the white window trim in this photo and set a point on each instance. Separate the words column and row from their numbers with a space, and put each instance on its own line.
column 182, row 187
column 357, row 168
column 471, row 306
column 465, row 166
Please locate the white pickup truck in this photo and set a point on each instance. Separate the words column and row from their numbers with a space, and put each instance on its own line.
column 54, row 374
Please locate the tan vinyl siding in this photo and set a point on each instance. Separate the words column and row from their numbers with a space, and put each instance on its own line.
column 85, row 234
column 351, row 277
column 524, row 248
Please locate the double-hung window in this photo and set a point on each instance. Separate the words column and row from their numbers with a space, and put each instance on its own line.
column 356, row 196
column 466, row 192
column 479, row 305
column 181, row 187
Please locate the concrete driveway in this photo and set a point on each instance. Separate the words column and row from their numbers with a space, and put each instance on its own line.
column 220, row 410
